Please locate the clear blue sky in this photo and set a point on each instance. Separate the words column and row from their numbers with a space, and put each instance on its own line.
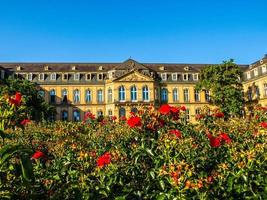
column 187, row 31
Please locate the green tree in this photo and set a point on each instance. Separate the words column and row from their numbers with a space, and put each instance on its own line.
column 37, row 108
column 224, row 83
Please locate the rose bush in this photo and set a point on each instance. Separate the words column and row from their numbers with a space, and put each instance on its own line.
column 154, row 154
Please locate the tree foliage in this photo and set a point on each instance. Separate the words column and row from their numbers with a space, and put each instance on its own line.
column 224, row 83
column 37, row 108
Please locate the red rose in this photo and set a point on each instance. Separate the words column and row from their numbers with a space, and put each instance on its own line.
column 165, row 109
column 134, row 121
column 183, row 108
column 175, row 110
column 199, row 116
column 176, row 132
column 225, row 138
column 89, row 115
column 113, row 118
column 25, row 121
column 215, row 142
column 38, row 154
column 219, row 115
column 104, row 160
column 16, row 100
column 123, row 118
column 263, row 124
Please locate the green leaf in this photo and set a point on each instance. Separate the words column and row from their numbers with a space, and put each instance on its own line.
column 26, row 167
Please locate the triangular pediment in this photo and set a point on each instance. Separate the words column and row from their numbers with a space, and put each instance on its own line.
column 134, row 76
column 131, row 64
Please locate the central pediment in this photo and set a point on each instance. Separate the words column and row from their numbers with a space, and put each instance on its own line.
column 134, row 76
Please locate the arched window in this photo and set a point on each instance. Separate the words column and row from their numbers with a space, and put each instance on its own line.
column 133, row 93
column 52, row 96
column 76, row 115
column 99, row 96
column 41, row 93
column 134, row 110
column 88, row 96
column 99, row 113
column 64, row 115
column 186, row 95
column 164, row 95
column 76, row 96
column 64, row 96
column 109, row 95
column 122, row 112
column 121, row 93
column 175, row 95
column 207, row 95
column 145, row 92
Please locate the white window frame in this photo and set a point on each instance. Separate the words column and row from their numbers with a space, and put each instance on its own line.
column 98, row 76
column 63, row 78
column 195, row 77
column 174, row 76
column 144, row 92
column 41, row 76
column 188, row 95
column 75, row 76
column 263, row 69
column 265, row 89
column 53, row 76
column 185, row 76
column 86, row 77
column 256, row 72
column 164, row 76
column 30, row 76
column 248, row 75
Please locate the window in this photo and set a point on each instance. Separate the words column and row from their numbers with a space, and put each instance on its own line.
column 197, row 96
column 41, row 93
column 175, row 95
column 187, row 115
column 52, row 96
column 100, row 76
column 207, row 95
column 195, row 77
column 64, row 115
column 76, row 96
column 197, row 111
column 52, row 117
column 248, row 75
column 164, row 95
column 53, row 76
column 174, row 76
column 65, row 77
column 110, row 113
column 109, row 95
column 121, row 93
column 186, row 95
column 99, row 113
column 88, row 97
column 122, row 112
column 257, row 91
column 265, row 89
column 164, row 76
column 30, row 76
column 134, row 110
column 255, row 72
column 41, row 77
column 99, row 96
column 264, row 69
column 64, row 96
column 249, row 93
column 76, row 115
column 2, row 74
column 133, row 93
column 77, row 76
column 88, row 77
column 145, row 93
column 185, row 77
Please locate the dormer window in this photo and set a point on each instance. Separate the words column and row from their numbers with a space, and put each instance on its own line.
column 2, row 74
column 77, row 76
column 255, row 72
column 53, row 77
column 161, row 68
column 30, row 76
column 174, row 76
column 261, row 61
column 185, row 77
column 186, row 68
column 88, row 76
column 46, row 68
column 100, row 68
column 248, row 75
column 41, row 77
column 73, row 68
column 18, row 68
column 263, row 68
column 65, row 77
column 164, row 76
column 100, row 76
column 195, row 77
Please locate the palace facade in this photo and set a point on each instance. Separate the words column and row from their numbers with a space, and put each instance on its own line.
column 116, row 89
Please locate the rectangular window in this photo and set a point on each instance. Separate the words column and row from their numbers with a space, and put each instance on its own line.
column 174, row 76
column 41, row 77
column 164, row 76
column 88, row 77
column 65, row 77
column 185, row 77
column 100, row 76
column 263, row 69
column 186, row 95
column 30, row 76
column 77, row 76
column 2, row 74
column 53, row 76
column 248, row 75
column 265, row 89
column 255, row 72
column 207, row 95
column 195, row 77
column 197, row 96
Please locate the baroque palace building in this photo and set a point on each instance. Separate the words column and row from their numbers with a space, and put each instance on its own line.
column 116, row 89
